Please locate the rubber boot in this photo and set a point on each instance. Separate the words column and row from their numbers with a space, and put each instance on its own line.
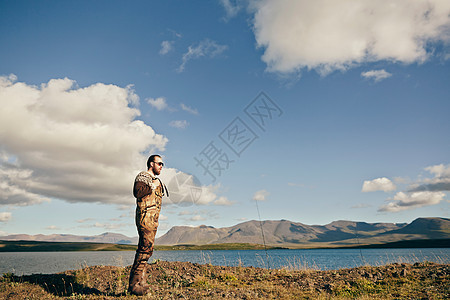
column 143, row 280
column 138, row 284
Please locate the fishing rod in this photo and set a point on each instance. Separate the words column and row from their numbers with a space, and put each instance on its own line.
column 262, row 233
column 359, row 245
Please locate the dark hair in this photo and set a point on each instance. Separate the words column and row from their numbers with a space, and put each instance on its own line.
column 152, row 159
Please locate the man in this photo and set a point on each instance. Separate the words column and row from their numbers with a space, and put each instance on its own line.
column 148, row 190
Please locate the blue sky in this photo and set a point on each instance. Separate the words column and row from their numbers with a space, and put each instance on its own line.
column 354, row 96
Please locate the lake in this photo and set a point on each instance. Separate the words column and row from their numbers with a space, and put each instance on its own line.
column 26, row 263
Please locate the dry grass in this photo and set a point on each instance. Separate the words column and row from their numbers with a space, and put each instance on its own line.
column 175, row 280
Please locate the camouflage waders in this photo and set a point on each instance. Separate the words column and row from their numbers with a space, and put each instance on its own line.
column 147, row 214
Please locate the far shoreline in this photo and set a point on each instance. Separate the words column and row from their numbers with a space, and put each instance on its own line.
column 42, row 246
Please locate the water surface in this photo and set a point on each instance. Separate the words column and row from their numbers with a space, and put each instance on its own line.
column 25, row 263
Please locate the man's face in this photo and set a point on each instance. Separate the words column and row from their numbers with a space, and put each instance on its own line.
column 157, row 165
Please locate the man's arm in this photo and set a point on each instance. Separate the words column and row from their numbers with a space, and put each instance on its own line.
column 141, row 189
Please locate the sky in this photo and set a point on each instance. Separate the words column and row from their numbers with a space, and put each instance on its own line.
column 311, row 111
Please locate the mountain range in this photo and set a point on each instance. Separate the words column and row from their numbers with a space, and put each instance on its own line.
column 288, row 233
column 107, row 237
column 275, row 233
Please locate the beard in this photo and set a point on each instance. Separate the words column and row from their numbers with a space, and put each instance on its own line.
column 156, row 171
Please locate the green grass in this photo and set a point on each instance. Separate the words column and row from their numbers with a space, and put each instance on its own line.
column 183, row 280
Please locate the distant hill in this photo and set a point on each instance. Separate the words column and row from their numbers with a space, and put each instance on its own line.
column 430, row 227
column 282, row 233
column 288, row 233
column 107, row 237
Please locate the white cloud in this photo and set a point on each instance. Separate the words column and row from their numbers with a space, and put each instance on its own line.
column 162, row 217
column 232, row 8
column 439, row 170
column 180, row 124
column 328, row 35
column 85, row 220
column 52, row 227
column 189, row 109
column 404, row 201
column 206, row 48
column 440, row 181
column 158, row 103
column 401, row 180
column 166, row 47
column 376, row 75
column 75, row 144
column 260, row 195
column 5, row 217
column 378, row 184
column 223, row 201
column 197, row 218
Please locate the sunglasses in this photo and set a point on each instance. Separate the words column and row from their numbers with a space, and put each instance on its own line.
column 161, row 164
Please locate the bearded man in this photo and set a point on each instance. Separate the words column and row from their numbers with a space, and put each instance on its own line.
column 148, row 190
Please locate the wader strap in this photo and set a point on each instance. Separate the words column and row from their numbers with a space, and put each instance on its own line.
column 163, row 187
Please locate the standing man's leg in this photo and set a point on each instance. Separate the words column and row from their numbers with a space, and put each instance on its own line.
column 147, row 223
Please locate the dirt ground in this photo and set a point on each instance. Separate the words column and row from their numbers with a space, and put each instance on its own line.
column 184, row 280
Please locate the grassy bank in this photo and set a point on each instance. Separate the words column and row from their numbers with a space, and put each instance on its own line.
column 175, row 280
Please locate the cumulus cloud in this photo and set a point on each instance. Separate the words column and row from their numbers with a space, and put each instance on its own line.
column 426, row 192
column 328, row 35
column 61, row 141
column 404, row 201
column 439, row 170
column 166, row 47
column 378, row 184
column 158, row 103
column 189, row 109
column 180, row 124
column 206, row 48
column 5, row 217
column 260, row 195
column 223, row 201
column 376, row 75
column 440, row 181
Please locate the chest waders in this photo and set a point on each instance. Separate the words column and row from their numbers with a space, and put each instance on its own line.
column 147, row 214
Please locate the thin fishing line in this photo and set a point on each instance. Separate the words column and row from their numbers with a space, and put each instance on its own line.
column 359, row 245
column 262, row 233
